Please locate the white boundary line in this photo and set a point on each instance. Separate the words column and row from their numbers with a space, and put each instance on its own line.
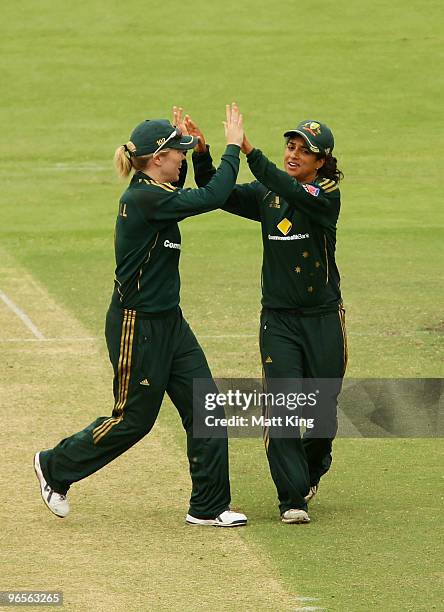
column 308, row 600
column 300, row 598
column 22, row 316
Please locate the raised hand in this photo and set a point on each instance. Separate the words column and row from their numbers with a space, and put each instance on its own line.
column 194, row 130
column 178, row 121
column 234, row 125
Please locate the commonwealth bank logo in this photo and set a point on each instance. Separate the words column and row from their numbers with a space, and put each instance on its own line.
column 284, row 226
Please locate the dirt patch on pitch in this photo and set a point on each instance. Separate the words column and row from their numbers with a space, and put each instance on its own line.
column 125, row 545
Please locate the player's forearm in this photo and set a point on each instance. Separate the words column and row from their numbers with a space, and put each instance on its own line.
column 222, row 182
column 189, row 202
column 281, row 183
column 243, row 200
column 203, row 167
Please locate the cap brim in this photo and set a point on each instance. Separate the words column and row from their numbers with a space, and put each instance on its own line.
column 312, row 147
column 186, row 142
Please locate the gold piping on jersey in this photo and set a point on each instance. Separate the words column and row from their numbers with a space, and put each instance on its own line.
column 326, row 258
column 168, row 185
column 123, row 374
column 165, row 186
column 326, row 183
column 118, row 288
column 341, row 313
column 146, row 261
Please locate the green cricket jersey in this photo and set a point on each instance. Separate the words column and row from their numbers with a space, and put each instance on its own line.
column 298, row 222
column 147, row 236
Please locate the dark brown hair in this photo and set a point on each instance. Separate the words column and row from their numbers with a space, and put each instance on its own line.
column 330, row 168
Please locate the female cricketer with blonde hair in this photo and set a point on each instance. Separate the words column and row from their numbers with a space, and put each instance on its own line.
column 151, row 346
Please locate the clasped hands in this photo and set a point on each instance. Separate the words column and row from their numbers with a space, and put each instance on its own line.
column 234, row 121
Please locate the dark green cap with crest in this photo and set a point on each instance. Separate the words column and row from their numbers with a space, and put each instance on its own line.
column 153, row 135
column 317, row 135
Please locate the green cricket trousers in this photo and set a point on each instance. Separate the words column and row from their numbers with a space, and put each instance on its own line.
column 296, row 347
column 150, row 355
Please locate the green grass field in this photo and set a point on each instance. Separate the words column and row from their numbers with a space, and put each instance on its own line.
column 75, row 80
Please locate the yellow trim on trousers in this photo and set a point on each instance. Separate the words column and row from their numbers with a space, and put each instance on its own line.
column 123, row 374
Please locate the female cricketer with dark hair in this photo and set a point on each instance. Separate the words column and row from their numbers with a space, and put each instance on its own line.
column 302, row 329
column 151, row 346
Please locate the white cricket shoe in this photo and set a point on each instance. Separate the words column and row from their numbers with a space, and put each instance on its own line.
column 295, row 516
column 56, row 502
column 311, row 493
column 225, row 519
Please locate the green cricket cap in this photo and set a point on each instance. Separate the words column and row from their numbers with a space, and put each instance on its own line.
column 317, row 135
column 155, row 134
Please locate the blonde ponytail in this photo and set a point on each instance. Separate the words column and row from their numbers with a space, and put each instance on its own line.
column 122, row 159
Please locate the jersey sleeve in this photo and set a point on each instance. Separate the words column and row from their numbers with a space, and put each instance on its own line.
column 243, row 201
column 170, row 204
column 319, row 203
column 203, row 167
